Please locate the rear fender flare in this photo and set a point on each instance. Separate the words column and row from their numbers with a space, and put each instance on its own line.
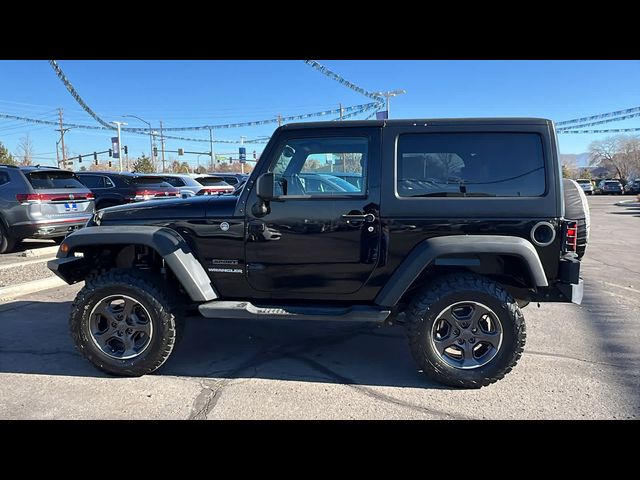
column 428, row 251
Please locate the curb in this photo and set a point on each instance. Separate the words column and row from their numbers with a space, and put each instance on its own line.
column 41, row 252
column 9, row 293
column 25, row 263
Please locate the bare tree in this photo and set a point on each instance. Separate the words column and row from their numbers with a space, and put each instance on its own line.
column 630, row 156
column 619, row 154
column 25, row 151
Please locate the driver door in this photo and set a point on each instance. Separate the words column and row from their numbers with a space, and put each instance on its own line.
column 321, row 235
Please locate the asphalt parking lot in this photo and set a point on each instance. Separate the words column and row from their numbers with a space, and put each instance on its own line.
column 580, row 362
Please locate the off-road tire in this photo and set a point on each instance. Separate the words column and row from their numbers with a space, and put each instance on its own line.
column 447, row 290
column 145, row 290
column 7, row 241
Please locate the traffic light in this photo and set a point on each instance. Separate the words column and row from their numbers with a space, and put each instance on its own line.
column 155, row 151
column 126, row 150
column 180, row 151
column 109, row 163
column 95, row 156
column 254, row 154
column 110, row 152
column 79, row 158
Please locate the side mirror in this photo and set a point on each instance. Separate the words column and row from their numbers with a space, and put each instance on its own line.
column 264, row 186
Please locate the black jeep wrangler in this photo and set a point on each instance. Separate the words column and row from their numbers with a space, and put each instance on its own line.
column 455, row 226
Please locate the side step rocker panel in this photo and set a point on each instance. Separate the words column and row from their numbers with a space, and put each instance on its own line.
column 243, row 310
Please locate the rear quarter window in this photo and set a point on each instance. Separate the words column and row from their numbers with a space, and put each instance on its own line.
column 470, row 165
column 4, row 178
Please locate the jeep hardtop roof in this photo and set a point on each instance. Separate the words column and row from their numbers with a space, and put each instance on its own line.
column 421, row 121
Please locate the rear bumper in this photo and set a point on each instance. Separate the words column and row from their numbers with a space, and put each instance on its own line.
column 568, row 287
column 49, row 228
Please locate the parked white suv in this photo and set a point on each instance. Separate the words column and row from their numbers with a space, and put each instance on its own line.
column 586, row 184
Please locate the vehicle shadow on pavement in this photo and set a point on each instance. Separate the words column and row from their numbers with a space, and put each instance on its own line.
column 32, row 245
column 36, row 340
column 616, row 351
column 628, row 211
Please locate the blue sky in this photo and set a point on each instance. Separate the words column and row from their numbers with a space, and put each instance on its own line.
column 186, row 93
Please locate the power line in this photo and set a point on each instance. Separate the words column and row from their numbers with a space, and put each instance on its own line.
column 599, row 116
column 599, row 122
column 77, row 97
column 325, row 71
column 278, row 119
column 609, row 130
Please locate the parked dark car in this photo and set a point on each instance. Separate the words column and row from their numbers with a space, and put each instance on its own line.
column 609, row 187
column 40, row 202
column 354, row 179
column 633, row 187
column 232, row 179
column 111, row 188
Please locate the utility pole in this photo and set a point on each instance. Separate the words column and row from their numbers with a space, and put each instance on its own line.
column 341, row 111
column 119, row 124
column 64, row 154
column 279, row 120
column 162, row 145
column 211, row 151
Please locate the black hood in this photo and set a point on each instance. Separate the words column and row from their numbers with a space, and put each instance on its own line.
column 175, row 209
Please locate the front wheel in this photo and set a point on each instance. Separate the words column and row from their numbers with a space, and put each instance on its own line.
column 123, row 323
column 465, row 331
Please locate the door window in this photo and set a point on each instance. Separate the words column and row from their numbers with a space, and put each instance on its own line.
column 321, row 167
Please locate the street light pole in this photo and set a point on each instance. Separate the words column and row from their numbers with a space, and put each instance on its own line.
column 119, row 124
column 242, row 164
column 150, row 136
column 388, row 95
column 211, row 151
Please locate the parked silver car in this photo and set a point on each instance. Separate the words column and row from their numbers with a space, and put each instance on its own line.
column 40, row 202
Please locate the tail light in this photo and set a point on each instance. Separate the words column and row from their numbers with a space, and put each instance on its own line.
column 150, row 194
column 571, row 236
column 53, row 197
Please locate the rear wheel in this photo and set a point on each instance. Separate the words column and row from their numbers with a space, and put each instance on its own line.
column 7, row 241
column 106, row 204
column 124, row 323
column 465, row 331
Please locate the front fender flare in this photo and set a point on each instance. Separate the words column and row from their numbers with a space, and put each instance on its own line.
column 167, row 242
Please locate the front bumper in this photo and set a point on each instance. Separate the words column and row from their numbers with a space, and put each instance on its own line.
column 69, row 269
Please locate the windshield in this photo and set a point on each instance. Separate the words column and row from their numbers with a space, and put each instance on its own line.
column 149, row 181
column 53, row 179
column 212, row 182
column 612, row 183
column 182, row 181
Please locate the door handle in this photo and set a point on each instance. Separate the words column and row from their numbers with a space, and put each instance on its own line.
column 367, row 217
